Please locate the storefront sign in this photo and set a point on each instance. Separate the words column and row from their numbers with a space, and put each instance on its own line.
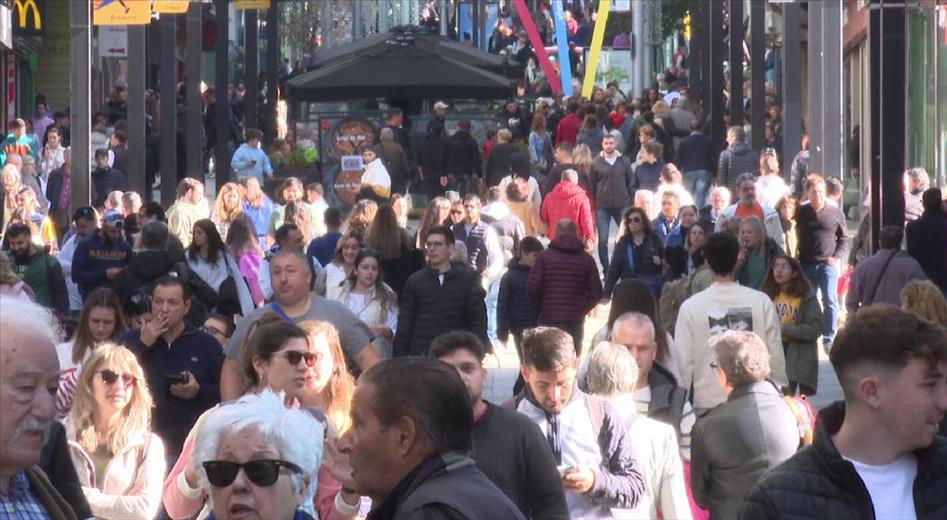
column 6, row 26
column 113, row 41
column 251, row 4
column 121, row 12
column 29, row 17
column 350, row 137
column 171, row 6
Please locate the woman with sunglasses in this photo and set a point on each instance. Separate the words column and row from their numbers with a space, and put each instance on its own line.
column 119, row 461
column 372, row 300
column 638, row 254
column 101, row 320
column 257, row 459
column 280, row 357
column 330, row 280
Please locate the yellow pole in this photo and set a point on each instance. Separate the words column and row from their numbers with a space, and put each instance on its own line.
column 597, row 36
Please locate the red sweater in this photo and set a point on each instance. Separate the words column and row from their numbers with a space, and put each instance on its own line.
column 568, row 129
column 569, row 201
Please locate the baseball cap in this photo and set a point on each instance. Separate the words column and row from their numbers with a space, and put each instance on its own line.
column 83, row 212
column 440, row 105
column 114, row 219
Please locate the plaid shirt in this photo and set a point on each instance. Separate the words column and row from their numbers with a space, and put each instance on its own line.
column 19, row 503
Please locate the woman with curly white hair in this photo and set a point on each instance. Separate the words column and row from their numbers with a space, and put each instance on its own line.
column 257, row 459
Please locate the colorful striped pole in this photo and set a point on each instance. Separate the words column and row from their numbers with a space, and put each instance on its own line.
column 562, row 40
column 597, row 36
column 538, row 46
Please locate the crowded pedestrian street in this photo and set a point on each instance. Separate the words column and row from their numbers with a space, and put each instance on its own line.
column 473, row 260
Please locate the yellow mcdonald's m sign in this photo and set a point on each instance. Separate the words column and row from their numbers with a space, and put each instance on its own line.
column 29, row 17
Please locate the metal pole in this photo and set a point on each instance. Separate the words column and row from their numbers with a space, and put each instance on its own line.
column 168, row 159
column 715, row 80
column 706, row 30
column 833, row 122
column 758, row 76
column 442, row 12
column 80, row 48
column 475, row 17
column 736, row 62
column 252, row 39
column 695, row 50
column 815, row 88
column 357, row 22
column 195, row 113
column 886, row 33
column 221, row 70
column 328, row 28
column 272, row 78
column 136, row 112
column 792, row 84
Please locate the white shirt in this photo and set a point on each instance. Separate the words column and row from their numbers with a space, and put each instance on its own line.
column 891, row 487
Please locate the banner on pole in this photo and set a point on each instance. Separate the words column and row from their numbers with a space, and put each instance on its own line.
column 121, row 12
column 562, row 43
column 598, row 34
column 251, row 4
column 171, row 6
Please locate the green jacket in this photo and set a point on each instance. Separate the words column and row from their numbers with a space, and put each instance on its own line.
column 44, row 275
column 800, row 343
column 46, row 494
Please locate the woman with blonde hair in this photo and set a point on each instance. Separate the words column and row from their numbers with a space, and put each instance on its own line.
column 757, row 253
column 227, row 207
column 119, row 461
column 437, row 212
column 101, row 320
column 330, row 280
column 923, row 297
column 582, row 160
column 300, row 363
column 10, row 182
column 360, row 218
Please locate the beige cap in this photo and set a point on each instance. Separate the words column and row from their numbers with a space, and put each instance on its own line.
column 440, row 105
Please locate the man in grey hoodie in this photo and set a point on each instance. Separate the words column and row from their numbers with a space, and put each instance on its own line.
column 736, row 159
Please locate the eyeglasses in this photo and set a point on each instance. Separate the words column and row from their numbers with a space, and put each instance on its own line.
column 456, row 212
column 434, row 245
column 293, row 357
column 109, row 378
column 634, row 220
column 264, row 472
column 212, row 331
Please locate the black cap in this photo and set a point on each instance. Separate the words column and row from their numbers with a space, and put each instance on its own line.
column 83, row 212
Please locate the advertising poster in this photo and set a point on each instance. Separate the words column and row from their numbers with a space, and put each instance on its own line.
column 121, row 12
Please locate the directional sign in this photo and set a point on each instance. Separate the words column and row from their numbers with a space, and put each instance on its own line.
column 121, row 12
column 113, row 41
column 251, row 4
column 171, row 6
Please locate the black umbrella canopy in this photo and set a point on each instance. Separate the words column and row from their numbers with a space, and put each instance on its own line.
column 397, row 69
column 416, row 36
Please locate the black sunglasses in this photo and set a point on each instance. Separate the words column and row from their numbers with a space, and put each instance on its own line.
column 635, row 220
column 293, row 357
column 109, row 378
column 264, row 472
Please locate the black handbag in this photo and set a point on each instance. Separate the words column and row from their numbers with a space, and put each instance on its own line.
column 228, row 301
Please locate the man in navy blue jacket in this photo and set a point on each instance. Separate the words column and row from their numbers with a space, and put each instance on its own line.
column 101, row 256
column 181, row 363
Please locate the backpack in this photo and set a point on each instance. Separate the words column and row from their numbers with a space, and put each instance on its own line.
column 805, row 417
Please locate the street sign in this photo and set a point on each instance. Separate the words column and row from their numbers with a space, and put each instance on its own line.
column 251, row 4
column 113, row 41
column 171, row 6
column 121, row 12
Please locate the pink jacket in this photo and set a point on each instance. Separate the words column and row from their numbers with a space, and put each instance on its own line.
column 185, row 503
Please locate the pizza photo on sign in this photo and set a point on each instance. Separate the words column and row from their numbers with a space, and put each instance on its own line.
column 350, row 137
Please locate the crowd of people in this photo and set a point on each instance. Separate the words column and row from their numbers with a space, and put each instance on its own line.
column 271, row 355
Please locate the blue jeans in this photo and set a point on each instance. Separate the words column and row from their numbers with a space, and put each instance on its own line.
column 603, row 219
column 697, row 182
column 824, row 278
column 491, row 301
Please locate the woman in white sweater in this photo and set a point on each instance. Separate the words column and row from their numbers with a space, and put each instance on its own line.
column 208, row 258
column 119, row 461
column 366, row 295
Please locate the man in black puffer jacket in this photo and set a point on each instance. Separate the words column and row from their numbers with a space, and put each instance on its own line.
column 463, row 159
column 439, row 298
column 875, row 455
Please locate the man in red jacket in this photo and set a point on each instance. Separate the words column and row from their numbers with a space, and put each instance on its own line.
column 568, row 128
column 565, row 284
column 569, row 201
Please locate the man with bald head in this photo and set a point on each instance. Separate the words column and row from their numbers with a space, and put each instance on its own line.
column 569, row 201
column 29, row 377
column 290, row 277
column 564, row 284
